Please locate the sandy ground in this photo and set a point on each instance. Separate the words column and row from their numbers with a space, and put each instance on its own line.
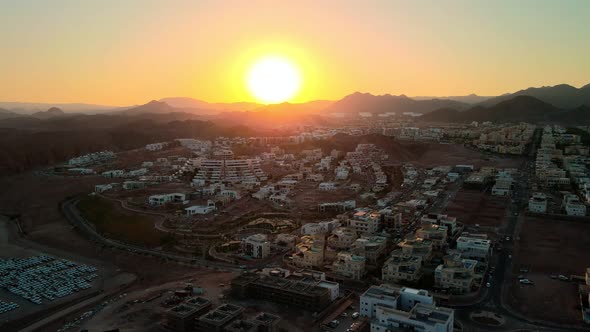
column 549, row 247
column 475, row 207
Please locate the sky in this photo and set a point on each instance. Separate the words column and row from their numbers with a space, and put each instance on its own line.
column 127, row 52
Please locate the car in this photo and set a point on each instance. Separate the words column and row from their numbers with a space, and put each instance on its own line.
column 520, row 277
column 526, row 282
column 488, row 285
column 508, row 238
column 334, row 323
column 344, row 315
column 563, row 278
column 355, row 315
column 516, row 214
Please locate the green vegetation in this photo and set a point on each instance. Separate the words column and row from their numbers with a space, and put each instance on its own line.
column 118, row 224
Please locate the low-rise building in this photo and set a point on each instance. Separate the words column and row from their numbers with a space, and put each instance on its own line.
column 538, row 203
column 342, row 238
column 181, row 318
column 217, row 319
column 309, row 253
column 456, row 274
column 415, row 246
column 366, row 221
column 475, row 246
column 350, row 266
column 390, row 308
column 370, row 247
column 199, row 210
column 573, row 206
column 256, row 246
column 402, row 267
column 435, row 233
column 159, row 200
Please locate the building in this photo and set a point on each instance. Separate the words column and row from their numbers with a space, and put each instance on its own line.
column 309, row 253
column 306, row 294
column 415, row 246
column 474, row 246
column 538, row 203
column 370, row 247
column 160, row 200
column 181, row 318
column 453, row 226
column 327, row 186
column 342, row 238
column 366, row 221
column 401, row 267
column 322, row 227
column 217, row 319
column 573, row 206
column 199, row 209
column 256, row 246
column 435, row 233
column 404, row 309
column 456, row 274
column 349, row 266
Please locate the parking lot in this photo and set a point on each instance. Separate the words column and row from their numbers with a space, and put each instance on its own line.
column 546, row 249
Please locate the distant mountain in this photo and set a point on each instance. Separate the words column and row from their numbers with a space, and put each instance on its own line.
column 191, row 103
column 517, row 109
column 562, row 95
column 315, row 106
column 6, row 114
column 50, row 113
column 153, row 106
column 29, row 108
column 469, row 99
column 366, row 102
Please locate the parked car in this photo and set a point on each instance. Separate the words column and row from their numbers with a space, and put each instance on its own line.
column 526, row 282
column 355, row 315
column 488, row 285
column 563, row 278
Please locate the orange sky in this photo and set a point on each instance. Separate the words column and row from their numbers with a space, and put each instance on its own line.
column 129, row 52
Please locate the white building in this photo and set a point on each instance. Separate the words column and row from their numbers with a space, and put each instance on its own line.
column 347, row 265
column 116, row 173
column 475, row 246
column 404, row 309
column 322, row 227
column 573, row 206
column 199, row 209
column 327, row 186
column 538, row 203
column 159, row 200
column 156, row 146
column 256, row 246
column 366, row 221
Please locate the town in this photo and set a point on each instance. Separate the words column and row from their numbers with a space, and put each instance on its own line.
column 331, row 229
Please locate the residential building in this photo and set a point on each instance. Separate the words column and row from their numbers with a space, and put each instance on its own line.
column 538, row 203
column 435, row 233
column 199, row 210
column 370, row 247
column 309, row 253
column 366, row 221
column 475, row 246
column 573, row 206
column 390, row 308
column 217, row 319
column 401, row 267
column 350, row 266
column 415, row 246
column 322, row 227
column 456, row 274
column 181, row 318
column 342, row 238
column 159, row 200
column 256, row 246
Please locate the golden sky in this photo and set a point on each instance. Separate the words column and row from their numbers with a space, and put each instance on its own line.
column 129, row 52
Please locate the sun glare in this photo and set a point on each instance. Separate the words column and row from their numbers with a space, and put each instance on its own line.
column 274, row 80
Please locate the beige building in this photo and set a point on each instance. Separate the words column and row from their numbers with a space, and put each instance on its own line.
column 435, row 233
column 370, row 247
column 415, row 246
column 309, row 253
column 456, row 274
column 350, row 266
column 342, row 238
column 401, row 267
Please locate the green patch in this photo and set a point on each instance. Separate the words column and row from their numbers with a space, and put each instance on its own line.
column 119, row 225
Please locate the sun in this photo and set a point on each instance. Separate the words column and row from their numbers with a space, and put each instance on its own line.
column 274, row 80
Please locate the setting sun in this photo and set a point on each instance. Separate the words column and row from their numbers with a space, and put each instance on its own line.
column 274, row 80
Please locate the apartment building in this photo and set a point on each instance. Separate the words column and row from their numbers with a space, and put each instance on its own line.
column 370, row 247
column 401, row 267
column 453, row 226
column 233, row 171
column 415, row 246
column 435, row 233
column 538, row 203
column 404, row 309
column 456, row 274
column 573, row 206
column 162, row 199
column 256, row 246
column 219, row 318
column 307, row 294
column 309, row 253
column 474, row 246
column 342, row 238
column 366, row 221
column 350, row 266
column 181, row 318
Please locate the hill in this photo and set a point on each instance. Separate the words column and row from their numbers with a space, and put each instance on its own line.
column 517, row 109
column 50, row 113
column 191, row 103
column 563, row 96
column 366, row 102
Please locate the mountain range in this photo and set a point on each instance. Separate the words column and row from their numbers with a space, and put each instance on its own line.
column 516, row 109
